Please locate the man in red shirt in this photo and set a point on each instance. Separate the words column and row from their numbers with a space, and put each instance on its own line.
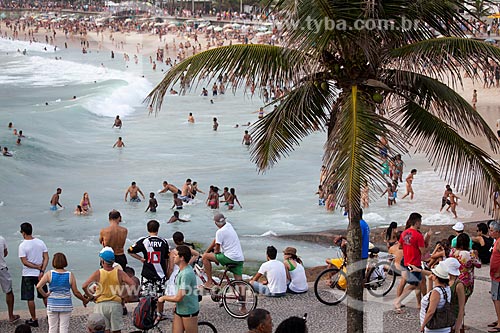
column 413, row 244
column 495, row 274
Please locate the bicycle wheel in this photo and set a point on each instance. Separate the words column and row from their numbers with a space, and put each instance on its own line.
column 327, row 286
column 206, row 327
column 238, row 298
column 381, row 279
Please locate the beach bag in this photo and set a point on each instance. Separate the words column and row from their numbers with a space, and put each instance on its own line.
column 145, row 313
column 342, row 282
column 443, row 317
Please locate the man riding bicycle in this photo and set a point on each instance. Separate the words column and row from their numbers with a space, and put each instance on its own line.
column 226, row 250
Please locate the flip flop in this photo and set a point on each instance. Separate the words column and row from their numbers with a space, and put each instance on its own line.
column 15, row 319
column 400, row 311
column 494, row 329
column 493, row 324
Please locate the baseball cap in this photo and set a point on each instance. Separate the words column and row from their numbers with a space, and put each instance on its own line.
column 107, row 254
column 441, row 270
column 219, row 218
column 459, row 226
column 96, row 322
column 453, row 266
column 290, row 250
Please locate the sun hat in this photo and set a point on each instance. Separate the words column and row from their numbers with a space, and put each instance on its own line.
column 107, row 254
column 96, row 322
column 290, row 250
column 219, row 218
column 441, row 270
column 453, row 266
column 459, row 226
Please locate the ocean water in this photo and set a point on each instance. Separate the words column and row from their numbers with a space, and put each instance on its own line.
column 69, row 142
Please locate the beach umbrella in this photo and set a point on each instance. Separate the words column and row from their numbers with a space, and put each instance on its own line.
column 227, row 26
column 236, row 26
column 171, row 25
column 228, row 30
column 262, row 29
column 128, row 20
column 210, row 27
column 268, row 33
column 218, row 29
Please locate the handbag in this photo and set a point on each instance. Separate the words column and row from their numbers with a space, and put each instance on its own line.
column 443, row 317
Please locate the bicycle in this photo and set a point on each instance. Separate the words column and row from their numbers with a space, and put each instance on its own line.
column 203, row 326
column 330, row 287
column 237, row 297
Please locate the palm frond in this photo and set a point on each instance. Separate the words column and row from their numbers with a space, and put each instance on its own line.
column 443, row 58
column 463, row 164
column 301, row 112
column 260, row 63
column 441, row 101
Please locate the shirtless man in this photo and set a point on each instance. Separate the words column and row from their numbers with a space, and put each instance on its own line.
column 247, row 139
column 169, row 187
column 409, row 181
column 115, row 236
column 444, row 200
column 54, row 201
column 191, row 118
column 176, row 218
column 118, row 123
column 133, row 189
column 186, row 194
column 119, row 143
column 215, row 125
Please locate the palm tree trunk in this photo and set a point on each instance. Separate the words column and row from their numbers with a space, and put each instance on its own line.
column 354, row 242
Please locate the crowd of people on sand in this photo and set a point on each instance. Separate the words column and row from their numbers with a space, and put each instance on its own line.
column 166, row 274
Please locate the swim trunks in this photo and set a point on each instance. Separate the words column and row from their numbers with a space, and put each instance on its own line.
column 179, row 192
column 185, row 198
column 53, row 208
column 178, row 207
column 136, row 199
column 321, row 202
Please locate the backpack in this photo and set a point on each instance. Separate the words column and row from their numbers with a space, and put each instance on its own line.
column 145, row 313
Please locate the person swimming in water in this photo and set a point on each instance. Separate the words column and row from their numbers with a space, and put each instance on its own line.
column 119, row 143
column 54, row 201
column 118, row 123
column 176, row 218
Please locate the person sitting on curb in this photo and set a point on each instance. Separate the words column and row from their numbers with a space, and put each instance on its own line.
column 275, row 273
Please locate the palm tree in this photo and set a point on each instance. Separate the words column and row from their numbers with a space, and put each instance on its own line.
column 359, row 85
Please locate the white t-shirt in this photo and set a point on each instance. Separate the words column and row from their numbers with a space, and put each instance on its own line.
column 275, row 273
column 3, row 246
column 298, row 279
column 229, row 242
column 33, row 250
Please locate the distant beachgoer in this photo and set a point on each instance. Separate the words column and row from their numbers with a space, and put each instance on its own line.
column 6, row 152
column 54, row 201
column 176, row 218
column 453, row 202
column 232, row 198
column 150, row 108
column 390, row 233
column 153, row 203
column 321, row 195
column 85, row 202
column 195, row 189
column 260, row 112
column 215, row 125
column 10, row 125
column 444, row 200
column 119, row 143
column 474, row 98
column 15, row 132
column 186, row 194
column 409, row 182
column 118, row 122
column 191, row 118
column 79, row 211
column 20, row 135
column 18, row 141
column 169, row 187
column 204, row 92
column 173, row 92
column 322, row 175
column 133, row 189
column 247, row 139
column 177, row 202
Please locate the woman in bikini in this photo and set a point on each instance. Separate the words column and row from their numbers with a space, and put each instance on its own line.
column 85, row 203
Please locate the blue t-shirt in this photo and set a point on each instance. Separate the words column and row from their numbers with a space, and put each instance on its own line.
column 365, row 238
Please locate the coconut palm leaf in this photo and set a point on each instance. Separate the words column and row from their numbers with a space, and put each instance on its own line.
column 301, row 112
column 439, row 57
column 465, row 165
column 441, row 101
column 259, row 62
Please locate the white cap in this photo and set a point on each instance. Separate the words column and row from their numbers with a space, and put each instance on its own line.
column 459, row 226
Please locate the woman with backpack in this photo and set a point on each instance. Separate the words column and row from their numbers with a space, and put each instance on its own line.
column 457, row 292
column 436, row 300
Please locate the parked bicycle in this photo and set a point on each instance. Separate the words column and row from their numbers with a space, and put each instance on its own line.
column 330, row 286
column 203, row 326
column 237, row 297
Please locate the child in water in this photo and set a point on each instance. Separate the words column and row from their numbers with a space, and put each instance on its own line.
column 176, row 218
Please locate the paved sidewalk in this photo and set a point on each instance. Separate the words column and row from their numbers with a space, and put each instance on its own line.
column 379, row 316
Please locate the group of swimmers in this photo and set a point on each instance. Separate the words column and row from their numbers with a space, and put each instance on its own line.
column 18, row 134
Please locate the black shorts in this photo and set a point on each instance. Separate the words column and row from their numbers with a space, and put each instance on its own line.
column 28, row 284
column 187, row 315
column 121, row 259
column 412, row 278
